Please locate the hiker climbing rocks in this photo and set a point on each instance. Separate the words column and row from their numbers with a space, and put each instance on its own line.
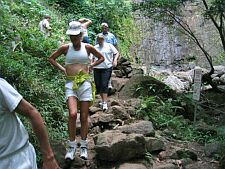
column 84, row 24
column 79, row 89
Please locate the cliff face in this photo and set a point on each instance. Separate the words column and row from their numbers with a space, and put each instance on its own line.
column 163, row 45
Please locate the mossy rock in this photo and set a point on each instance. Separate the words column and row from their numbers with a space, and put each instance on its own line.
column 140, row 85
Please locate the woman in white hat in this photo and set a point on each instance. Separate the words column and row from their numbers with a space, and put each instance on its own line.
column 79, row 89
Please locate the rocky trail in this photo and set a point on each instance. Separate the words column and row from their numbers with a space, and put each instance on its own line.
column 118, row 140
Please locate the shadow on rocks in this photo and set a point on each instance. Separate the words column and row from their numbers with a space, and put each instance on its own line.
column 67, row 164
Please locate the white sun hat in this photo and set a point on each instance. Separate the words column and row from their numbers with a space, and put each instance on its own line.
column 74, row 28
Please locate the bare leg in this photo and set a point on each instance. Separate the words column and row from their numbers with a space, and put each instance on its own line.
column 72, row 105
column 84, row 110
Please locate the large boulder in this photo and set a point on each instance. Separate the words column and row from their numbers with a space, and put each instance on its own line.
column 177, row 84
column 220, row 69
column 114, row 146
column 141, row 127
column 140, row 85
column 118, row 83
column 132, row 166
column 101, row 117
column 119, row 112
column 154, row 144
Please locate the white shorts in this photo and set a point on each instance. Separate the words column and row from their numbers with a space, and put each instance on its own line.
column 23, row 159
column 83, row 93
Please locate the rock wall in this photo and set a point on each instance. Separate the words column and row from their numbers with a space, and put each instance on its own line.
column 164, row 45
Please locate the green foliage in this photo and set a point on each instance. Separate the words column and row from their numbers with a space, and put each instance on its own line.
column 220, row 59
column 28, row 70
column 148, row 156
column 117, row 13
column 157, row 9
column 161, row 113
column 169, row 4
column 149, row 86
column 165, row 116
column 214, row 10
column 216, row 7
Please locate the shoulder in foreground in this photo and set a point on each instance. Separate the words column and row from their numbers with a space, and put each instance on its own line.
column 64, row 46
column 87, row 45
column 3, row 84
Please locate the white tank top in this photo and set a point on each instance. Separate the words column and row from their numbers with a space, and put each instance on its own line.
column 76, row 57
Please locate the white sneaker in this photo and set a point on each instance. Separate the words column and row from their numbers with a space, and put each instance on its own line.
column 70, row 153
column 104, row 106
column 100, row 104
column 71, row 150
column 83, row 153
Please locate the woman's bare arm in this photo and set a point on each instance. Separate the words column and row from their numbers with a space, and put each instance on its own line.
column 52, row 58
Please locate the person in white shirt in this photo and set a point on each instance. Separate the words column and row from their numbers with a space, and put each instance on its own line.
column 15, row 150
column 103, row 71
column 44, row 26
column 109, row 38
